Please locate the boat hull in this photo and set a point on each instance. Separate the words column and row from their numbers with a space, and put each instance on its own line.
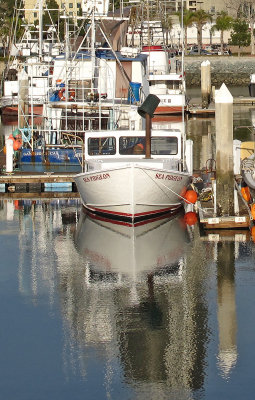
column 166, row 110
column 133, row 192
column 13, row 110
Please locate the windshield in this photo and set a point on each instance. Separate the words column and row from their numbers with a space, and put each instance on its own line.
column 159, row 145
column 102, row 146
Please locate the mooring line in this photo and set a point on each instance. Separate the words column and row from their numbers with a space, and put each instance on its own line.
column 171, row 190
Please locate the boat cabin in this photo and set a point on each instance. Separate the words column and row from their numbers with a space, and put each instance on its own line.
column 110, row 147
column 121, row 144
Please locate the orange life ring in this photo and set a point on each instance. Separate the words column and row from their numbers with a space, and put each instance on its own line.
column 71, row 95
column 61, row 94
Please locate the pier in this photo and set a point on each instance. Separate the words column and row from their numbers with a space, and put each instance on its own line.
column 39, row 183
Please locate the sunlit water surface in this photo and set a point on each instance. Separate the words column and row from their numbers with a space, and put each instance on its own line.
column 94, row 310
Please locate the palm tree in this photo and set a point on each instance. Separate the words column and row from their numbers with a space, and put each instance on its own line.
column 200, row 18
column 167, row 25
column 223, row 23
column 187, row 22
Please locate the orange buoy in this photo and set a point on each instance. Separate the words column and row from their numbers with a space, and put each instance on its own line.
column 253, row 210
column 246, row 193
column 253, row 233
column 16, row 204
column 183, row 191
column 190, row 218
column 17, row 145
column 190, row 196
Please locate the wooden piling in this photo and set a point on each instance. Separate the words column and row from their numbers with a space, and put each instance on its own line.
column 224, row 152
column 23, row 103
column 206, row 83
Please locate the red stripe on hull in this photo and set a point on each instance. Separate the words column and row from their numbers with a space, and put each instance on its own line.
column 13, row 110
column 124, row 223
column 133, row 216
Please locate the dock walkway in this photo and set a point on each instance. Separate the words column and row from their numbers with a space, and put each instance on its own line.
column 23, row 182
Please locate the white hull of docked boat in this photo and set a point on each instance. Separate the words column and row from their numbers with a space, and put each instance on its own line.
column 132, row 191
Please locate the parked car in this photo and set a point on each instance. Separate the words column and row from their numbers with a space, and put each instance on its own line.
column 194, row 52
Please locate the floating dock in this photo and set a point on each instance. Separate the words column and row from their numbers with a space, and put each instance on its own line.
column 244, row 100
column 208, row 219
column 34, row 182
column 195, row 109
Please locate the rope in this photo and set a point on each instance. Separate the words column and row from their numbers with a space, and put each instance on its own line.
column 171, row 190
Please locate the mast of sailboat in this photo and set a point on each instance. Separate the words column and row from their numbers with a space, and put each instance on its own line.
column 92, row 47
column 182, row 75
column 40, row 12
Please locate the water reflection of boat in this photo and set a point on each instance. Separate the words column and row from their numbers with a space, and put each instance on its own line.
column 131, row 250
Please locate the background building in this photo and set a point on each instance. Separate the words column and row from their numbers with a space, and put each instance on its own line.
column 71, row 7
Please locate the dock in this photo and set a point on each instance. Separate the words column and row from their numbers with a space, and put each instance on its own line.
column 244, row 100
column 48, row 177
column 196, row 110
column 208, row 219
column 35, row 182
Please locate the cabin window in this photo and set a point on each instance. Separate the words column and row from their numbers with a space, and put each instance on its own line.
column 164, row 145
column 132, row 145
column 168, row 84
column 101, row 146
column 159, row 145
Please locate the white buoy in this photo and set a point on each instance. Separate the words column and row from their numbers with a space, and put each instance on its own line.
column 9, row 155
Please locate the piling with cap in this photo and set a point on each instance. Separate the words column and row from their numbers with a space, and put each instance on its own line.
column 206, row 83
column 224, row 152
column 9, row 155
column 23, row 104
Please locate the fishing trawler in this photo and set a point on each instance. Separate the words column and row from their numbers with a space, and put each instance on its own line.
column 135, row 175
column 91, row 88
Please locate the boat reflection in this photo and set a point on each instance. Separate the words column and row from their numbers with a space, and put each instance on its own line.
column 135, row 296
column 132, row 251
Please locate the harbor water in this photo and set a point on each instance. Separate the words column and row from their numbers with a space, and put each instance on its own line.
column 95, row 310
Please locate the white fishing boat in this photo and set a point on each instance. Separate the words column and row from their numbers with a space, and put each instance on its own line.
column 95, row 86
column 135, row 175
column 166, row 80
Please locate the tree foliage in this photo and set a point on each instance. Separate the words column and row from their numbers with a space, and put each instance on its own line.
column 11, row 21
column 6, row 8
column 240, row 36
column 187, row 21
column 223, row 23
column 200, row 18
column 51, row 18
